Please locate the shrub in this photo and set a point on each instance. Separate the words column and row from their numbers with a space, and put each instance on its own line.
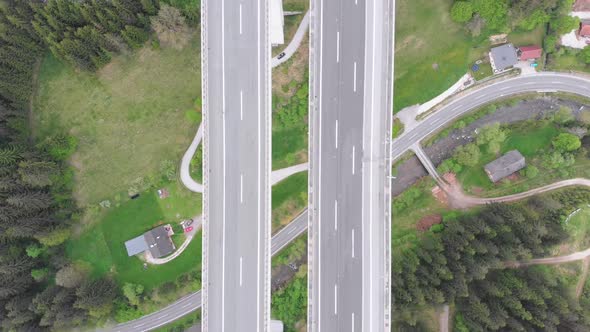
column 39, row 274
column 462, row 11
column 549, row 43
column 566, row 142
column 170, row 27
column 59, row 146
column 467, row 155
column 530, row 172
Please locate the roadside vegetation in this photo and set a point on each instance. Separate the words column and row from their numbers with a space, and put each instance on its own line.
column 414, row 211
column 289, row 199
column 290, row 126
column 551, row 146
column 289, row 304
column 182, row 324
column 398, row 128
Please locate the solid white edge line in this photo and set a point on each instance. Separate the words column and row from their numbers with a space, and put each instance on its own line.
column 352, row 243
column 224, row 162
column 241, row 274
column 319, row 183
column 240, row 18
column 241, row 105
column 354, row 78
column 258, row 256
column 336, row 215
column 336, row 134
column 337, row 46
column 335, row 299
column 353, row 159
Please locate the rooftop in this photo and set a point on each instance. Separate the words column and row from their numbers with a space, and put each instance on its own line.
column 509, row 163
column 156, row 240
column 503, row 57
column 530, row 52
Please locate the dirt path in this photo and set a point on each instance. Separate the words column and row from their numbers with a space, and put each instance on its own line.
column 465, row 201
column 443, row 319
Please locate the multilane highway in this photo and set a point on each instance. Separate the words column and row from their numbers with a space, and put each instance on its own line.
column 236, row 168
column 350, row 119
column 457, row 106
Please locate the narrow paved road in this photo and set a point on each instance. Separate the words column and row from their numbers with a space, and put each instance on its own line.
column 294, row 44
column 192, row 302
column 481, row 95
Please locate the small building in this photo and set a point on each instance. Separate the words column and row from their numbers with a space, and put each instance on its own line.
column 503, row 57
column 582, row 6
column 504, row 166
column 157, row 241
column 584, row 31
column 277, row 23
column 526, row 53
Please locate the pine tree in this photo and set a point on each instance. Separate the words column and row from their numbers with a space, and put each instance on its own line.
column 30, row 200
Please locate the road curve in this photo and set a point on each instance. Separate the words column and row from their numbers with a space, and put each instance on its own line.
column 294, row 44
column 298, row 226
column 185, row 175
column 458, row 106
column 478, row 96
column 192, row 302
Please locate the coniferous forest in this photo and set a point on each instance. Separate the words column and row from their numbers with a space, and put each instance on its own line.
column 462, row 263
column 39, row 288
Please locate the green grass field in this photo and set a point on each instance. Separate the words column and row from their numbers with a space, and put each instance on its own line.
column 102, row 247
column 531, row 141
column 289, row 198
column 526, row 38
column 128, row 117
column 427, row 38
column 578, row 227
column 404, row 232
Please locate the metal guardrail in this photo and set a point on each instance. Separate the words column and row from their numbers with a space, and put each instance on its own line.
column 268, row 168
column 310, row 188
column 390, row 24
column 205, row 108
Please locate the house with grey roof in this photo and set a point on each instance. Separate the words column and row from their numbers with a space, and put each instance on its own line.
column 157, row 241
column 502, row 167
column 503, row 57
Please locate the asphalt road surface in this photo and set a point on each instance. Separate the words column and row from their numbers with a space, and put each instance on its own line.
column 236, row 214
column 350, row 116
column 192, row 302
column 478, row 96
column 459, row 105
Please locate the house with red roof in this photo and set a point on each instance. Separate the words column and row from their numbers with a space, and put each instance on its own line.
column 532, row 52
column 584, row 31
